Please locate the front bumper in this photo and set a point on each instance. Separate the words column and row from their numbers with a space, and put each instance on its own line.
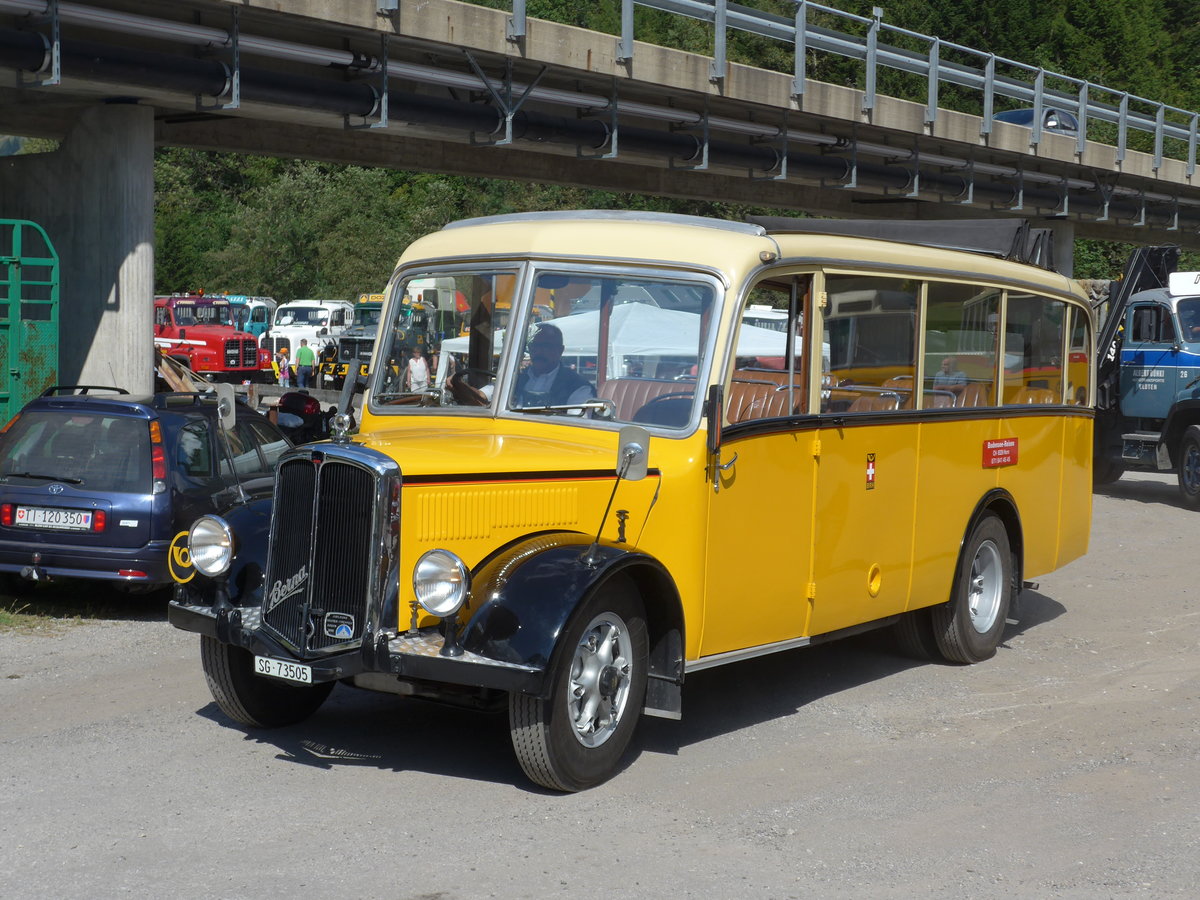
column 408, row 655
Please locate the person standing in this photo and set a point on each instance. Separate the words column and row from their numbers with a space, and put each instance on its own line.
column 417, row 373
column 305, row 360
column 283, row 365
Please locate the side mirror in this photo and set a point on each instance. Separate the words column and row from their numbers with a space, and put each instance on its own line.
column 633, row 453
column 226, row 405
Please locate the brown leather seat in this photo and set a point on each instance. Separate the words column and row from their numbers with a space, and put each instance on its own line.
column 629, row 395
column 975, row 394
column 885, row 401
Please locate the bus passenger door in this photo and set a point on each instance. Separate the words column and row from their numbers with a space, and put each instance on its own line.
column 760, row 516
column 759, row 541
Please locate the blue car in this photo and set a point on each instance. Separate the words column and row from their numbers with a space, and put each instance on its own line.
column 97, row 484
column 1058, row 121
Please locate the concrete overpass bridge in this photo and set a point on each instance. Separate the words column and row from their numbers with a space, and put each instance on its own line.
column 447, row 86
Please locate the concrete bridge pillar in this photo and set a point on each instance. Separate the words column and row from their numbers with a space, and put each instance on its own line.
column 1064, row 246
column 95, row 198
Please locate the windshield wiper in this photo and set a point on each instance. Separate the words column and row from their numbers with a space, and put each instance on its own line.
column 606, row 408
column 43, row 477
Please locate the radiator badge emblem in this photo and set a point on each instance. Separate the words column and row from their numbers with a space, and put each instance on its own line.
column 339, row 625
column 281, row 590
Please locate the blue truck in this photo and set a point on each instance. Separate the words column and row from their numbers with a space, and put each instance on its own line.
column 1148, row 374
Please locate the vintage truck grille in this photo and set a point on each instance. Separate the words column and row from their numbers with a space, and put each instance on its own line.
column 322, row 555
column 276, row 344
column 352, row 350
column 240, row 354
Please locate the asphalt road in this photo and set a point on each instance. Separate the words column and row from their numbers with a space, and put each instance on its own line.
column 1067, row 766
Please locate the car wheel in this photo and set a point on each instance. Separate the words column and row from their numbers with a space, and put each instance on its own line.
column 251, row 699
column 574, row 738
column 969, row 628
column 1189, row 467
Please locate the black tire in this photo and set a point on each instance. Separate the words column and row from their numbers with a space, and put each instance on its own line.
column 1105, row 471
column 914, row 636
column 969, row 628
column 1189, row 467
column 601, row 665
column 255, row 700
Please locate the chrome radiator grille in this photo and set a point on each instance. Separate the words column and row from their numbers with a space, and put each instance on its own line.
column 322, row 553
column 240, row 354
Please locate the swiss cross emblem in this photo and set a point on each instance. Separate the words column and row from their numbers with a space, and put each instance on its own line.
column 870, row 471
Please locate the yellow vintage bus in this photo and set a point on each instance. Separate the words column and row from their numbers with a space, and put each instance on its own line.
column 730, row 439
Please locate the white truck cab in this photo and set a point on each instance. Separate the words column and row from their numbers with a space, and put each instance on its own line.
column 318, row 321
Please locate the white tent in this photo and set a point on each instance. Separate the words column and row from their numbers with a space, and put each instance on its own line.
column 635, row 329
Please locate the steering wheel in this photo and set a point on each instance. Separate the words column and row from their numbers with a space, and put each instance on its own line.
column 666, row 406
column 465, row 393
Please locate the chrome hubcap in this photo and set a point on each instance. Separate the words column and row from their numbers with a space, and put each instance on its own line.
column 986, row 589
column 601, row 671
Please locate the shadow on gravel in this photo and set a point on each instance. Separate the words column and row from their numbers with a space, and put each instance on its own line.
column 362, row 728
column 1159, row 493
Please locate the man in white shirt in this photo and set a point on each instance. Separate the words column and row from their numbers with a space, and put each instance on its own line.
column 545, row 382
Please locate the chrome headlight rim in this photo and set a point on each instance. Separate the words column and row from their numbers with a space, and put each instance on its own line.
column 210, row 546
column 441, row 583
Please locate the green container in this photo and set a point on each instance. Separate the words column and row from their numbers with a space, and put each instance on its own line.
column 28, row 314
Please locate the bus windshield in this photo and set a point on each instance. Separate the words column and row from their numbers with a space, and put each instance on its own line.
column 615, row 347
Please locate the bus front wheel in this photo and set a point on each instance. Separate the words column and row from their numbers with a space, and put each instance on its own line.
column 574, row 738
column 255, row 700
column 969, row 628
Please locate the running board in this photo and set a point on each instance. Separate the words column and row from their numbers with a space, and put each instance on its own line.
column 720, row 659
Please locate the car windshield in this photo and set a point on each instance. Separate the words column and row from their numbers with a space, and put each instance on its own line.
column 94, row 451
column 611, row 347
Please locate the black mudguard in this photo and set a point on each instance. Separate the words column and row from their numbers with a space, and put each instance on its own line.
column 251, row 525
column 524, row 598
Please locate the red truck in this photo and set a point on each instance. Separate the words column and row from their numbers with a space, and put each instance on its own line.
column 199, row 331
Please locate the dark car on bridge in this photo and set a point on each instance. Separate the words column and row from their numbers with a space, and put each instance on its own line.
column 1058, row 121
column 98, row 484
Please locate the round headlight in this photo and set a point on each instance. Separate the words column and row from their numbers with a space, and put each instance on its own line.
column 210, row 542
column 441, row 582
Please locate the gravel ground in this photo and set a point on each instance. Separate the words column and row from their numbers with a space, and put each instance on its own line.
column 1067, row 766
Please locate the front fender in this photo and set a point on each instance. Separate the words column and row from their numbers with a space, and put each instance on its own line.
column 524, row 598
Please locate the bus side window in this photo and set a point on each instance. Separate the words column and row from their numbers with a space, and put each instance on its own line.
column 871, row 325
column 960, row 345
column 763, row 385
column 1033, row 350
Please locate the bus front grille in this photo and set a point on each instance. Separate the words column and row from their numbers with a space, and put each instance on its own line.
column 320, row 560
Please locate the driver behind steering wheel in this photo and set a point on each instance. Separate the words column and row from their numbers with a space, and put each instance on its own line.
column 545, row 382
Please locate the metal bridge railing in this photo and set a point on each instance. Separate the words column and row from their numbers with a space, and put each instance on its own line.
column 1173, row 129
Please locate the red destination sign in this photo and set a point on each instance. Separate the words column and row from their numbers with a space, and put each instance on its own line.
column 1002, row 452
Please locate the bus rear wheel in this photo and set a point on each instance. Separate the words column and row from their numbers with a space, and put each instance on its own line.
column 255, row 700
column 1189, row 467
column 969, row 628
column 574, row 738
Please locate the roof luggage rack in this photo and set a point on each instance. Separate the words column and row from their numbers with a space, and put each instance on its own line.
column 59, row 389
column 1011, row 239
